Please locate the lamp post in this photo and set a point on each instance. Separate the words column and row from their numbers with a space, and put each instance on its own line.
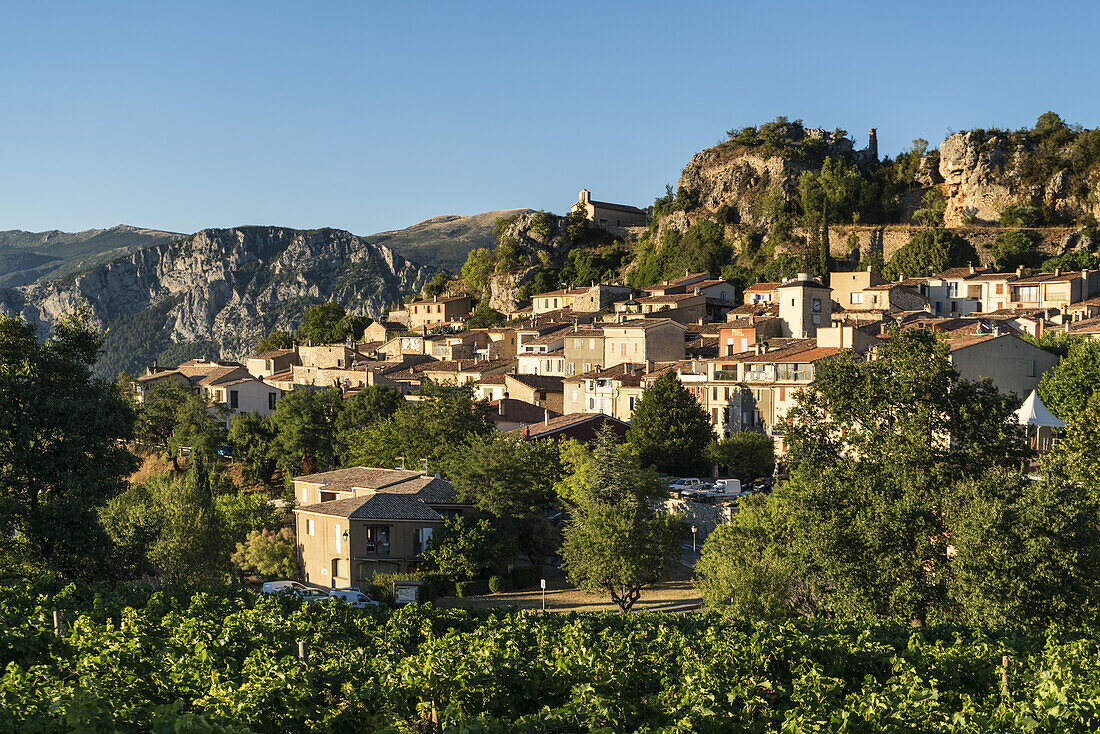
column 693, row 531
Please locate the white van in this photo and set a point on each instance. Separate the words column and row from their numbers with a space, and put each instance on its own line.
column 274, row 587
column 353, row 597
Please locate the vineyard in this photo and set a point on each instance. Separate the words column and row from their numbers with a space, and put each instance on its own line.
column 224, row 660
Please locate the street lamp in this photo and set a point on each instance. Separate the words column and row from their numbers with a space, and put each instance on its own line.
column 693, row 531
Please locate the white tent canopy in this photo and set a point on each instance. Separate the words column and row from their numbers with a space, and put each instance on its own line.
column 1034, row 413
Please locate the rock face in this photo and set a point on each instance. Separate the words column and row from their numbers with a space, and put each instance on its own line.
column 973, row 168
column 983, row 172
column 221, row 287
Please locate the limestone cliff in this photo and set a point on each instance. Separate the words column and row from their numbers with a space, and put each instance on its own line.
column 986, row 171
column 219, row 290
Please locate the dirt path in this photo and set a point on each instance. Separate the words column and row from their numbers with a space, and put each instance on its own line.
column 561, row 597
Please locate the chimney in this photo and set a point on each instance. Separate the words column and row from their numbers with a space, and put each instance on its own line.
column 546, row 416
column 803, row 276
column 971, row 269
column 500, row 408
column 437, row 298
column 696, row 290
column 648, row 366
column 1019, row 271
column 882, row 329
column 1057, row 272
column 701, row 321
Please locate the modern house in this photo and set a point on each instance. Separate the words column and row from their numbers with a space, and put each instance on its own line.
column 354, row 523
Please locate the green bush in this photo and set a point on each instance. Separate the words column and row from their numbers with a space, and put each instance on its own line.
column 496, row 584
column 524, row 577
column 477, row 587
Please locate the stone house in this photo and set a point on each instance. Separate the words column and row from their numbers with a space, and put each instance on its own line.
column 607, row 215
column 584, row 350
column 804, row 304
column 686, row 308
column 544, row 391
column 268, row 363
column 577, row 426
column 354, row 523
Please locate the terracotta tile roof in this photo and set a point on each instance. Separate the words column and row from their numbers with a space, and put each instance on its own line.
column 670, row 298
column 549, row 338
column 563, row 422
column 539, row 382
column 497, row 379
column 646, row 323
column 685, row 279
column 965, row 273
column 448, row 299
column 364, row 477
column 761, row 287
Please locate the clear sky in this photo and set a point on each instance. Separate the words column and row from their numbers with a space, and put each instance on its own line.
column 372, row 116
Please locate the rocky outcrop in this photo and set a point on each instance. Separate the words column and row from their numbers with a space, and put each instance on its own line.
column 227, row 286
column 984, row 172
column 975, row 181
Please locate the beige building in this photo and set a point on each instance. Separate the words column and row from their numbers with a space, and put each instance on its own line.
column 327, row 355
column 608, row 215
column 225, row 384
column 686, row 308
column 848, row 287
column 652, row 340
column 431, row 313
column 584, row 350
column 613, row 391
column 1013, row 364
column 354, row 523
column 761, row 293
column 269, row 363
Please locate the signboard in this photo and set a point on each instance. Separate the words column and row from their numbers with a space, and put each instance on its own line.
column 406, row 592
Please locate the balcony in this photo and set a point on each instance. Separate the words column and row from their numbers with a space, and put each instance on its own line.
column 726, row 375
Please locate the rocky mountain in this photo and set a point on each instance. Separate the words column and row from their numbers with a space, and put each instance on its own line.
column 27, row 257
column 218, row 291
column 444, row 242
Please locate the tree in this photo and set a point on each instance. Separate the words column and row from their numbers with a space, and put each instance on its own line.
column 437, row 286
column 615, row 541
column 464, row 549
column 1014, row 248
column 477, row 268
column 272, row 554
column 669, row 429
column 511, row 482
column 329, row 323
column 62, row 450
column 1076, row 458
column 1027, row 553
column 363, row 409
column 189, row 544
column 198, row 426
column 875, row 445
column 485, row 317
column 933, row 209
column 273, row 341
column 931, row 251
column 252, row 439
column 157, row 415
column 746, row 566
column 745, row 455
column 1067, row 388
column 445, row 416
column 305, row 430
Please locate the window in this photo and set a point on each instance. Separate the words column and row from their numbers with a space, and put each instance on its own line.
column 1000, row 288
column 271, row 398
column 377, row 539
column 630, row 402
column 309, row 526
column 938, row 307
column 591, row 404
column 339, row 543
column 328, row 496
column 234, row 400
column 591, row 343
column 954, row 306
column 635, row 347
column 1031, row 368
column 578, row 343
column 952, row 290
column 857, row 298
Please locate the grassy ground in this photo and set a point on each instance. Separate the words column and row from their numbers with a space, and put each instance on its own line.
column 562, row 597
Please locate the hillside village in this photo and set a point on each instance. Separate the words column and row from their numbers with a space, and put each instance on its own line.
column 578, row 360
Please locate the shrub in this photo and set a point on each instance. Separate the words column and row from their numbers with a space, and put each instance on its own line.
column 496, row 584
column 524, row 577
column 477, row 587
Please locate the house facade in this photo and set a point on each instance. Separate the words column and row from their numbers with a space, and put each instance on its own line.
column 354, row 523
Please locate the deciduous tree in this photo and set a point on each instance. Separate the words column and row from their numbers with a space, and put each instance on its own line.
column 616, row 542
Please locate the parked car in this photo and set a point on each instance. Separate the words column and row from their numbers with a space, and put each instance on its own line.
column 310, row 594
column 353, row 597
column 685, row 486
column 274, row 587
column 727, row 487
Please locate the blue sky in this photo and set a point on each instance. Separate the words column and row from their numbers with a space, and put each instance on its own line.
column 373, row 116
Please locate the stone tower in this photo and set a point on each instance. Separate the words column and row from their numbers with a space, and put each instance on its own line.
column 872, row 143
